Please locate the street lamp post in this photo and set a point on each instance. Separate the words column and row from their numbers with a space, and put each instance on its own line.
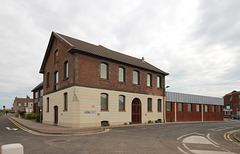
column 164, row 111
column 40, row 114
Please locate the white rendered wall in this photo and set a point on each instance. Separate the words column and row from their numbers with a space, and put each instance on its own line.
column 84, row 108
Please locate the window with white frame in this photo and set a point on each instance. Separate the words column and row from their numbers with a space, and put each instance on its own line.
column 121, row 74
column 104, row 101
column 136, row 77
column 189, row 107
column 198, row 108
column 104, row 71
column 149, row 80
column 180, row 107
column 206, row 108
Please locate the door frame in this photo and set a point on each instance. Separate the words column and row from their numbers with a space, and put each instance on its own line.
column 136, row 103
column 55, row 115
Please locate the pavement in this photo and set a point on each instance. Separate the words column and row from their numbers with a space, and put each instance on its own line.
column 236, row 135
column 54, row 129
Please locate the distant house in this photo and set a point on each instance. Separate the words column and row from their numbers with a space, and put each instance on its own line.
column 88, row 85
column 23, row 104
column 37, row 98
column 232, row 103
column 188, row 107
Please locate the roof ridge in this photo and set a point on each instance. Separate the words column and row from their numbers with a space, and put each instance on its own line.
column 76, row 39
column 118, row 52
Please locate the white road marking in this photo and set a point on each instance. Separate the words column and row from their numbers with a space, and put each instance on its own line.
column 220, row 128
column 196, row 140
column 182, row 150
column 186, row 147
column 11, row 129
column 208, row 136
column 209, row 152
column 189, row 134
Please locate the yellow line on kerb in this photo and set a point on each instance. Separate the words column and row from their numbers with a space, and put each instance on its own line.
column 42, row 134
column 227, row 136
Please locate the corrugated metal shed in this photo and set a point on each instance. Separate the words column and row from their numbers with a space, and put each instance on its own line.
column 195, row 99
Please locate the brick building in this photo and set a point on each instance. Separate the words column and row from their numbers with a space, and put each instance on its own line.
column 23, row 104
column 187, row 107
column 232, row 103
column 86, row 84
column 37, row 98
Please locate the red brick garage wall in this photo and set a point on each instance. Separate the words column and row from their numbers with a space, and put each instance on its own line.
column 212, row 116
column 170, row 114
column 194, row 115
column 189, row 116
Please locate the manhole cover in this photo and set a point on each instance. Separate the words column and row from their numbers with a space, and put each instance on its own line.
column 58, row 141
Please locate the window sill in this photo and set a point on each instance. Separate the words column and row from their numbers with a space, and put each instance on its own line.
column 150, row 111
column 121, row 111
column 101, row 79
column 64, row 110
column 159, row 111
column 47, row 111
column 135, row 84
column 120, row 82
column 65, row 79
column 104, row 110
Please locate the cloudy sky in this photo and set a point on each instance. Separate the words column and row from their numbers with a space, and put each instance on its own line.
column 196, row 41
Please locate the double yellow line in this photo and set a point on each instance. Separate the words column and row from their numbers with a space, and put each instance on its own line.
column 24, row 128
column 227, row 136
column 45, row 134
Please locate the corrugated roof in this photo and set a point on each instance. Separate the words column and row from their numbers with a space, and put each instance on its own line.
column 195, row 99
column 102, row 51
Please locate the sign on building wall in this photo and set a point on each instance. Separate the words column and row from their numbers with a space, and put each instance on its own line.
column 89, row 112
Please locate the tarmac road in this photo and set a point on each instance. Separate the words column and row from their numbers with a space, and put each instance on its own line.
column 171, row 138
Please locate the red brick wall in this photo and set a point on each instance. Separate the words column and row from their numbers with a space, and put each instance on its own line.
column 89, row 75
column 234, row 105
column 88, row 72
column 194, row 115
column 170, row 115
column 51, row 67
column 212, row 116
column 189, row 116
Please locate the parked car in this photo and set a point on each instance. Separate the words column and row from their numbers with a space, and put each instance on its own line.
column 235, row 117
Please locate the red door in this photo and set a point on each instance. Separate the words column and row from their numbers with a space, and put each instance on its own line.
column 136, row 111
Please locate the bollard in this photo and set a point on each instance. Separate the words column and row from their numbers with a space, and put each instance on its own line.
column 15, row 148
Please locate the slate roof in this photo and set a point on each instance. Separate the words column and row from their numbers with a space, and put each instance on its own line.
column 101, row 51
column 40, row 85
column 233, row 92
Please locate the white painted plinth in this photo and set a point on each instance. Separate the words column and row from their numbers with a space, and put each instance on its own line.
column 15, row 148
